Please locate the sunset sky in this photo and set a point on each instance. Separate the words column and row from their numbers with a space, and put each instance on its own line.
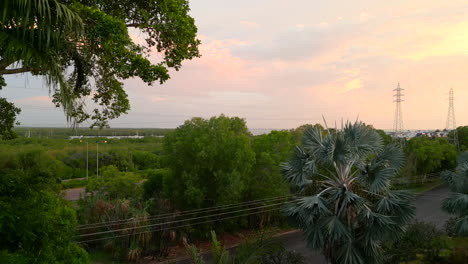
column 280, row 64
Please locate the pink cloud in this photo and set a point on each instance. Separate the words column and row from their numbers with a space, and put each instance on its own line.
column 35, row 99
column 156, row 99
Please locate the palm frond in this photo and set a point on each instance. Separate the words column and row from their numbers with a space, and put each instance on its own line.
column 348, row 253
column 456, row 203
column 299, row 169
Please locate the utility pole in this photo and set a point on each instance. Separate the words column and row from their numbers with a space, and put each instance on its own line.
column 451, row 124
column 87, row 155
column 398, row 121
column 97, row 159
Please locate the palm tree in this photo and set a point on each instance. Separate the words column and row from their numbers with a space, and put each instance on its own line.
column 31, row 31
column 34, row 36
column 457, row 203
column 348, row 209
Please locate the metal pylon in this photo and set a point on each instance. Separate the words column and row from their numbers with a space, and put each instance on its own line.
column 398, row 121
column 451, row 124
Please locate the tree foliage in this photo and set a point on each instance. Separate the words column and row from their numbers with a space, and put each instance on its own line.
column 428, row 155
column 265, row 179
column 462, row 134
column 210, row 160
column 8, row 113
column 36, row 225
column 84, row 48
column 348, row 210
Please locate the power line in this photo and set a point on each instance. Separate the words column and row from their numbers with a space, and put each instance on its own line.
column 177, row 227
column 178, row 221
column 182, row 213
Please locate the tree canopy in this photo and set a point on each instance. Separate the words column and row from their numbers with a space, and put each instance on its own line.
column 85, row 49
column 210, row 160
column 8, row 113
column 462, row 134
column 428, row 155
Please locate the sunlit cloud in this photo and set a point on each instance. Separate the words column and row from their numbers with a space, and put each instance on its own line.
column 352, row 85
column 249, row 24
column 156, row 99
column 40, row 100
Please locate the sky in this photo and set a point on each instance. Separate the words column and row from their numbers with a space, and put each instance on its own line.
column 281, row 64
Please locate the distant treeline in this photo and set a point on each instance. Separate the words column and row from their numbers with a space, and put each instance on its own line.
column 66, row 132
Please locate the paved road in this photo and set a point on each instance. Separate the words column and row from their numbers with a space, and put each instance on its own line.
column 428, row 206
column 428, row 209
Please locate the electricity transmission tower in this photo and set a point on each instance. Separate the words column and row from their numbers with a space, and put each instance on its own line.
column 451, row 124
column 398, row 121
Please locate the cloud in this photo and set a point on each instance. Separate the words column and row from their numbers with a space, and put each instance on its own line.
column 249, row 24
column 156, row 99
column 331, row 58
column 42, row 100
column 353, row 85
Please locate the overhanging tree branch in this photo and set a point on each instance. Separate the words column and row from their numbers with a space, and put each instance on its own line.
column 19, row 70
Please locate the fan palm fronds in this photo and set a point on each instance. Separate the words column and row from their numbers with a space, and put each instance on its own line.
column 353, row 210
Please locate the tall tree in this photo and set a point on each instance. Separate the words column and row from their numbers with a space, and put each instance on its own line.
column 348, row 209
column 84, row 48
column 210, row 160
column 426, row 155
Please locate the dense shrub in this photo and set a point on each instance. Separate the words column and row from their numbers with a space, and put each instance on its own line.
column 421, row 240
column 36, row 224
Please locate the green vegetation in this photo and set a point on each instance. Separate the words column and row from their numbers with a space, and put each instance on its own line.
column 429, row 155
column 423, row 243
column 8, row 113
column 83, row 48
column 255, row 251
column 69, row 156
column 211, row 160
column 348, row 210
column 65, row 133
column 457, row 203
column 36, row 224
column 462, row 134
column 203, row 163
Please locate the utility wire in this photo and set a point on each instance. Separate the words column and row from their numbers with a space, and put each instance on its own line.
column 177, row 221
column 176, row 227
column 182, row 213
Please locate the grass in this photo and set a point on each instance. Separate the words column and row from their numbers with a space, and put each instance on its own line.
column 427, row 186
column 74, row 183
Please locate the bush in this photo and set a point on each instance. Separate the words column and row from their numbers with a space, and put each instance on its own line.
column 154, row 186
column 450, row 229
column 75, row 183
column 145, row 160
column 421, row 240
column 115, row 184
